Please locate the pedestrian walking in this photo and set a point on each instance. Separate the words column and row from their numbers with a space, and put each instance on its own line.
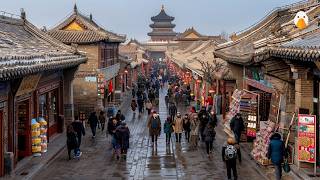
column 133, row 92
column 194, row 131
column 123, row 136
column 237, row 126
column 72, row 142
column 93, row 121
column 120, row 117
column 102, row 120
column 186, row 127
column 172, row 110
column 178, row 127
column 204, row 119
column 209, row 134
column 213, row 120
column 149, row 107
column 112, row 126
column 79, row 129
column 276, row 152
column 167, row 128
column 229, row 156
column 154, row 125
column 166, row 99
column 140, row 104
column 134, row 106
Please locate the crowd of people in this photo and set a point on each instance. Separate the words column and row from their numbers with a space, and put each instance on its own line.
column 196, row 124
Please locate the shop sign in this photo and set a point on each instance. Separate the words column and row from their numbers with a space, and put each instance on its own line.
column 307, row 138
column 90, row 79
column 28, row 84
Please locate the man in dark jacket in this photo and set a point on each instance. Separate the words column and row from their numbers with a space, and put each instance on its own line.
column 120, row 117
column 204, row 119
column 172, row 110
column 237, row 126
column 79, row 129
column 122, row 135
column 276, row 152
column 230, row 153
column 93, row 121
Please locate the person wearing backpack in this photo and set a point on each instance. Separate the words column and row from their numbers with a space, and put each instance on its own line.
column 276, row 152
column 229, row 155
column 178, row 127
column 154, row 125
column 209, row 135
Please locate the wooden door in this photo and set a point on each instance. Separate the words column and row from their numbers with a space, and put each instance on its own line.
column 1, row 145
column 24, row 129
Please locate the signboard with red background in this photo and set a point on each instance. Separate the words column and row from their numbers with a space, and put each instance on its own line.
column 307, row 138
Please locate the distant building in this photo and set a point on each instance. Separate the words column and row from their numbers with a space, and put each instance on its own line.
column 94, row 85
column 162, row 27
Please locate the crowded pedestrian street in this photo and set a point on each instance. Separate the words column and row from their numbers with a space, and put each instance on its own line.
column 94, row 90
column 174, row 161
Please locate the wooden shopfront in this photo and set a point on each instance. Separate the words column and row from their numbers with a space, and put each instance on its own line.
column 49, row 100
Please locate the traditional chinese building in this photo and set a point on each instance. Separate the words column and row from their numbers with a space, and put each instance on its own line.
column 95, row 81
column 36, row 74
column 276, row 66
column 162, row 27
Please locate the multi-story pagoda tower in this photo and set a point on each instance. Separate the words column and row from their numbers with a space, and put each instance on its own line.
column 162, row 27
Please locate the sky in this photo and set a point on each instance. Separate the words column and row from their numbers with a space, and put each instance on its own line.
column 132, row 17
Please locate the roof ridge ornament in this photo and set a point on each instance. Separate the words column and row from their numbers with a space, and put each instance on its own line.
column 162, row 7
column 23, row 14
column 75, row 8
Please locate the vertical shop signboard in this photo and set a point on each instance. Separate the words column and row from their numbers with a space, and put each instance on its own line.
column 307, row 138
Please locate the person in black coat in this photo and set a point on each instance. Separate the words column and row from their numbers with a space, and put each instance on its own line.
column 237, row 126
column 172, row 110
column 72, row 142
column 79, row 129
column 93, row 121
column 123, row 135
column 204, row 119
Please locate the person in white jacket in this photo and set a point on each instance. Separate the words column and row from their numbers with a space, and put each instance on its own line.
column 178, row 127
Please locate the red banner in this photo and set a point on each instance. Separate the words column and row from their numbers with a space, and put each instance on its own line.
column 307, row 138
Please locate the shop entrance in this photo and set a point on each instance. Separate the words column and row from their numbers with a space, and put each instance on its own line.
column 1, row 144
column 264, row 103
column 48, row 109
column 24, row 130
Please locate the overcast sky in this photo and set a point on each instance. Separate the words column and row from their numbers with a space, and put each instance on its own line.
column 132, row 17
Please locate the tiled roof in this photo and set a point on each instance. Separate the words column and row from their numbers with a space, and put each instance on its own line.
column 24, row 49
column 203, row 51
column 162, row 16
column 277, row 25
column 305, row 48
column 92, row 33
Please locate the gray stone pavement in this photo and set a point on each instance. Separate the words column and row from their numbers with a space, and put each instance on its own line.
column 143, row 161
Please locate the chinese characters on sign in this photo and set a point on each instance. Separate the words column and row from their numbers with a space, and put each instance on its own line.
column 306, row 138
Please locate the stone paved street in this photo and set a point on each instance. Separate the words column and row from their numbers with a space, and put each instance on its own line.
column 144, row 162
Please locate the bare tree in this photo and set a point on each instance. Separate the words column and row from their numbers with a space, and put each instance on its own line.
column 215, row 70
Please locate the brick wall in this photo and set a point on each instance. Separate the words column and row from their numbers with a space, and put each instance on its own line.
column 304, row 94
column 85, row 93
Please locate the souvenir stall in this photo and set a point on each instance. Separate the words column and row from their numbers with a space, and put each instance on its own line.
column 245, row 103
column 261, row 143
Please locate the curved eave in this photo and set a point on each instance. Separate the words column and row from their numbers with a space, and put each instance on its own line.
column 299, row 54
column 170, row 25
column 240, row 59
column 13, row 72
